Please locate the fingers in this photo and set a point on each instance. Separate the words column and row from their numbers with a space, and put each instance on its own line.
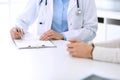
column 71, row 48
column 72, row 52
column 51, row 35
column 70, row 45
column 74, row 41
column 46, row 35
column 16, row 33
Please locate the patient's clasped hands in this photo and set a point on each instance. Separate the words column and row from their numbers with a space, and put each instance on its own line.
column 79, row 49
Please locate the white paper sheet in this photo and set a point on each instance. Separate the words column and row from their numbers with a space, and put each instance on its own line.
column 29, row 42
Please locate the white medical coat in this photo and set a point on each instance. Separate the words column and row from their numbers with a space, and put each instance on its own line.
column 82, row 26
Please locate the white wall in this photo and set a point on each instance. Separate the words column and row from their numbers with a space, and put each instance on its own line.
column 109, row 10
column 108, row 4
column 9, row 9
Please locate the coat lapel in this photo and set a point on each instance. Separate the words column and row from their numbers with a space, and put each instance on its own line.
column 72, row 3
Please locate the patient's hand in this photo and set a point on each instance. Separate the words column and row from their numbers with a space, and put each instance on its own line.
column 79, row 49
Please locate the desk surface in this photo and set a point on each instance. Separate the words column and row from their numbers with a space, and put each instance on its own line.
column 50, row 64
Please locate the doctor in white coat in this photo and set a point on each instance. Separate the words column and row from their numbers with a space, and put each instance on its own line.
column 59, row 19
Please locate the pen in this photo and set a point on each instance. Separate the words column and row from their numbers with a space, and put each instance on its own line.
column 19, row 31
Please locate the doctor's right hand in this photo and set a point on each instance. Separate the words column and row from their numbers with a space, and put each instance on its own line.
column 16, row 33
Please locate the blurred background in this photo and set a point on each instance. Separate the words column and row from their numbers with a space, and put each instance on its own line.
column 9, row 10
column 108, row 12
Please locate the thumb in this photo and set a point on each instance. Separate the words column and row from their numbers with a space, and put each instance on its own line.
column 74, row 41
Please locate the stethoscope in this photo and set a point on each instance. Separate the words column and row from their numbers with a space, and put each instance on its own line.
column 42, row 1
column 78, row 12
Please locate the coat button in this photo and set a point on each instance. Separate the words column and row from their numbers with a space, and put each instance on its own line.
column 70, row 24
column 40, row 23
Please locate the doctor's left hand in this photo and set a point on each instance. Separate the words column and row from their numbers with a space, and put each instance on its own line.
column 51, row 35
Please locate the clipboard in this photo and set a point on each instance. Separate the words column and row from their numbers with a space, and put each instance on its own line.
column 33, row 44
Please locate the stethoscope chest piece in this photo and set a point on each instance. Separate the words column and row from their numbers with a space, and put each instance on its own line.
column 78, row 12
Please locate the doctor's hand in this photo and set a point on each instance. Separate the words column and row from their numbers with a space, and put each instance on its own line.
column 16, row 33
column 51, row 35
column 79, row 49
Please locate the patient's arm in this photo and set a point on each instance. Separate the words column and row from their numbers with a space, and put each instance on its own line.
column 111, row 44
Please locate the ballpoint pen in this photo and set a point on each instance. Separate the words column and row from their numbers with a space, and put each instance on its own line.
column 18, row 30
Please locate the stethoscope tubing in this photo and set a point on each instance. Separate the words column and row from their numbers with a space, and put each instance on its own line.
column 42, row 1
column 78, row 6
column 77, row 12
